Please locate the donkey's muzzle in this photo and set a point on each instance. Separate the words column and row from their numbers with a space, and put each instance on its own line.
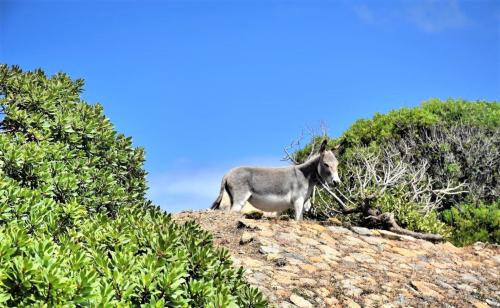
column 335, row 179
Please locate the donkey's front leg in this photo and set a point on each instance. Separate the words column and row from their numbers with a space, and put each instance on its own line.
column 298, row 206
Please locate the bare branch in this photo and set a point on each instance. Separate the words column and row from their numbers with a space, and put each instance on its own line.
column 342, row 204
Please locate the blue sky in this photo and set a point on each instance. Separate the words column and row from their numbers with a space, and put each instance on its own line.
column 208, row 85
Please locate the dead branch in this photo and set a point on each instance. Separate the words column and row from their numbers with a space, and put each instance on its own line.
column 342, row 204
column 388, row 221
column 293, row 144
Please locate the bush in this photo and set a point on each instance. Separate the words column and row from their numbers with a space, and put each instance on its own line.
column 474, row 222
column 411, row 216
column 417, row 162
column 75, row 228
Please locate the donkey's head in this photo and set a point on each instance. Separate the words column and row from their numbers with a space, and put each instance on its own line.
column 328, row 164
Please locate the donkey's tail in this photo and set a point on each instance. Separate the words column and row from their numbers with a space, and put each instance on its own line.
column 217, row 201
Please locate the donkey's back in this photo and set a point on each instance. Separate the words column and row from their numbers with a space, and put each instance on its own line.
column 268, row 189
column 262, row 180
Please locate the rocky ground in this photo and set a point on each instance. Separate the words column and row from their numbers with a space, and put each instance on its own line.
column 308, row 264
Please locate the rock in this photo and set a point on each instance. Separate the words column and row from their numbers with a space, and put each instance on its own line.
column 316, row 259
column 252, row 263
column 248, row 224
column 447, row 246
column 300, row 301
column 322, row 266
column 470, row 279
column 374, row 300
column 361, row 257
column 444, row 285
column 285, row 273
column 339, row 230
column 316, row 227
column 273, row 256
column 309, row 268
column 287, row 237
column 291, row 255
column 283, row 293
column 376, row 241
column 246, row 237
column 266, row 233
column 309, row 241
column 332, row 302
column 394, row 236
column 352, row 240
column 479, row 304
column 351, row 304
column 258, row 278
column 329, row 251
column 478, row 245
column 322, row 291
column 466, row 287
column 350, row 289
column 308, row 281
column 269, row 249
column 407, row 252
column 361, row 231
column 280, row 262
column 472, row 263
column 285, row 280
column 493, row 303
column 426, row 289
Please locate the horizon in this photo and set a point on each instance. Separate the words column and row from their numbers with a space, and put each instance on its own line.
column 205, row 86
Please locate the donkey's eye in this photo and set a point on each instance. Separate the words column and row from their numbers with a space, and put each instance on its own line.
column 326, row 165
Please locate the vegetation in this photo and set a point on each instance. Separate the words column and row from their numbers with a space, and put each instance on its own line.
column 75, row 228
column 474, row 222
column 434, row 167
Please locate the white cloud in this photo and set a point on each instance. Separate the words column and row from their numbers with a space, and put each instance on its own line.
column 195, row 188
column 364, row 13
column 426, row 15
column 437, row 16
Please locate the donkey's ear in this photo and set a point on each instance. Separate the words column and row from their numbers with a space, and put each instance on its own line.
column 323, row 146
column 339, row 147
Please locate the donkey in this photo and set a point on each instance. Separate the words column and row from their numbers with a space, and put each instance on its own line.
column 278, row 189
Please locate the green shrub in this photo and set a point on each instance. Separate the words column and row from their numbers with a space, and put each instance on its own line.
column 455, row 142
column 75, row 229
column 474, row 222
column 430, row 113
column 410, row 215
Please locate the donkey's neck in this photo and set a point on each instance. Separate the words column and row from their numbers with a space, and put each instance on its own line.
column 310, row 169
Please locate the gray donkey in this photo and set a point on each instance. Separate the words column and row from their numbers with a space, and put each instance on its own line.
column 278, row 189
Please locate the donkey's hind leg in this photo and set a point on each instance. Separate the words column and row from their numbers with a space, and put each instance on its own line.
column 238, row 199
